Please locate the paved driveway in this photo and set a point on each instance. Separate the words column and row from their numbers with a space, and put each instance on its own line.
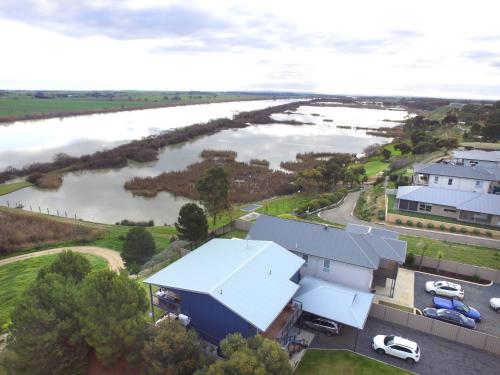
column 342, row 215
column 475, row 295
column 439, row 356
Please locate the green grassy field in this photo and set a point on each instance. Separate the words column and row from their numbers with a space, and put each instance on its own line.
column 375, row 165
column 16, row 277
column 9, row 188
column 327, row 362
column 25, row 104
column 469, row 254
column 283, row 205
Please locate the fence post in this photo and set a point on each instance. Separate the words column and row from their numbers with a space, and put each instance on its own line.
column 48, row 211
column 8, row 204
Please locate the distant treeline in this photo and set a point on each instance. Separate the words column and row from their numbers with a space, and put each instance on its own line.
column 146, row 149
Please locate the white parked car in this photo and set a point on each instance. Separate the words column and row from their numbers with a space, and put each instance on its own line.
column 397, row 346
column 444, row 288
column 495, row 304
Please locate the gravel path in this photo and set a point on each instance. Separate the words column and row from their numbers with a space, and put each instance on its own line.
column 343, row 215
column 111, row 256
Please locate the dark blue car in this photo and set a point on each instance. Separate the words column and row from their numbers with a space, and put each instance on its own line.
column 450, row 316
column 453, row 304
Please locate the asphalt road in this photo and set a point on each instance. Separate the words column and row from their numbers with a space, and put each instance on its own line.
column 439, row 356
column 475, row 295
column 343, row 215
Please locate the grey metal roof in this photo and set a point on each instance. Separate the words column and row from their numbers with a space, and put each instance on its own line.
column 463, row 171
column 365, row 229
column 478, row 155
column 363, row 250
column 462, row 200
column 443, row 197
column 484, row 203
column 345, row 305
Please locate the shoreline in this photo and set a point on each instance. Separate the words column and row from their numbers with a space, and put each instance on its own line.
column 87, row 112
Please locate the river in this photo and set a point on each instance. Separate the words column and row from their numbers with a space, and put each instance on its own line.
column 100, row 196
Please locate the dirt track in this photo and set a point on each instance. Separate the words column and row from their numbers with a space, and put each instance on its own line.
column 111, row 256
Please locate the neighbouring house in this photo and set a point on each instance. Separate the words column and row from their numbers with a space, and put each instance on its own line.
column 463, row 206
column 457, row 177
column 480, row 158
column 358, row 257
column 228, row 286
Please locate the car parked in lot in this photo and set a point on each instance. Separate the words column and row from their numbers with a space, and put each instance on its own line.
column 397, row 347
column 495, row 304
column 453, row 304
column 317, row 323
column 444, row 288
column 450, row 316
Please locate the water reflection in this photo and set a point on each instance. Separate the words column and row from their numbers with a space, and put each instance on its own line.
column 99, row 195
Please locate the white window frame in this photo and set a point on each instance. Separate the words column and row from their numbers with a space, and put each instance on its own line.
column 436, row 179
column 479, row 183
column 450, row 181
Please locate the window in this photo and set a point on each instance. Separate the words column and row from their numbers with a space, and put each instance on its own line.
column 479, row 184
column 326, row 265
column 408, row 205
column 449, row 210
column 424, row 207
column 306, row 259
column 450, row 181
column 436, row 179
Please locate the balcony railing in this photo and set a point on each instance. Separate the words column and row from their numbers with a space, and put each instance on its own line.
column 168, row 303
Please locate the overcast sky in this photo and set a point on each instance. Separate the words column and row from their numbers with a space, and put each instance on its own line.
column 426, row 48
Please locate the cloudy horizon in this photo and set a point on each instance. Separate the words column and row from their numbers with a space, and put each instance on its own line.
column 439, row 49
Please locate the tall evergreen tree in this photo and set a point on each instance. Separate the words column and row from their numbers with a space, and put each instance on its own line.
column 192, row 223
column 213, row 188
column 138, row 248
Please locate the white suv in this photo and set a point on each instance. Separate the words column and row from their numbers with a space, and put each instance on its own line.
column 444, row 288
column 397, row 346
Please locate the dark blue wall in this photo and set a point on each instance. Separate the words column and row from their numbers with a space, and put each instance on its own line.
column 296, row 278
column 210, row 318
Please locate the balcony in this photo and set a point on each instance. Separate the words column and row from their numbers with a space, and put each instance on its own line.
column 285, row 320
column 168, row 301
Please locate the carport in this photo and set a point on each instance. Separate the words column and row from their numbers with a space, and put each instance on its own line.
column 334, row 301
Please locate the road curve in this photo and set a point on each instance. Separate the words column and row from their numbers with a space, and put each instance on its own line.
column 113, row 257
column 344, row 215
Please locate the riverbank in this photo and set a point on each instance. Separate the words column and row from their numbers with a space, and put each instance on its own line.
column 30, row 109
column 14, row 186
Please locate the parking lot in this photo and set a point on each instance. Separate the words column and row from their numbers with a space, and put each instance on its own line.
column 439, row 356
column 475, row 295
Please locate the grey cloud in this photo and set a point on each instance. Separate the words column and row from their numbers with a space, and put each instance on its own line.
column 481, row 55
column 79, row 18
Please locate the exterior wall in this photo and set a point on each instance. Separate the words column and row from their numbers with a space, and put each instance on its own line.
column 342, row 273
column 464, row 184
column 440, row 211
column 495, row 220
column 212, row 320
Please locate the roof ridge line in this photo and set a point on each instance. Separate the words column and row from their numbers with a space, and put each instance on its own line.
column 229, row 275
column 366, row 256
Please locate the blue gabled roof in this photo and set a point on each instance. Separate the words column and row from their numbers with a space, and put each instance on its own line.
column 251, row 278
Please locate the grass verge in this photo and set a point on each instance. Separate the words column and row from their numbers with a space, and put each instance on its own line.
column 476, row 255
column 326, row 362
column 16, row 277
column 395, row 306
column 9, row 188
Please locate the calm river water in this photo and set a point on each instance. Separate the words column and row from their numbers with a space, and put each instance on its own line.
column 100, row 196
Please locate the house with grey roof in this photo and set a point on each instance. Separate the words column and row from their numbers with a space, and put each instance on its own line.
column 457, row 177
column 462, row 206
column 359, row 257
column 479, row 158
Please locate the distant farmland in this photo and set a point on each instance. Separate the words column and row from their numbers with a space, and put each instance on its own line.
column 20, row 105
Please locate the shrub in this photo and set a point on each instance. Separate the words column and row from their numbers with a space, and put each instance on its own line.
column 476, row 231
column 419, row 224
column 488, row 233
column 410, row 259
column 476, row 278
column 463, row 230
column 442, row 227
column 314, row 205
column 409, row 223
column 399, row 221
column 430, row 225
column 453, row 229
column 323, row 202
column 379, row 180
column 393, row 177
column 381, row 214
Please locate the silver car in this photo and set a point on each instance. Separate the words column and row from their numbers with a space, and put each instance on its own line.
column 321, row 324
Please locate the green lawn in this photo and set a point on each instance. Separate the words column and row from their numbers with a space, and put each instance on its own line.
column 9, row 188
column 393, row 151
column 329, row 362
column 283, row 205
column 469, row 254
column 375, row 166
column 16, row 277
